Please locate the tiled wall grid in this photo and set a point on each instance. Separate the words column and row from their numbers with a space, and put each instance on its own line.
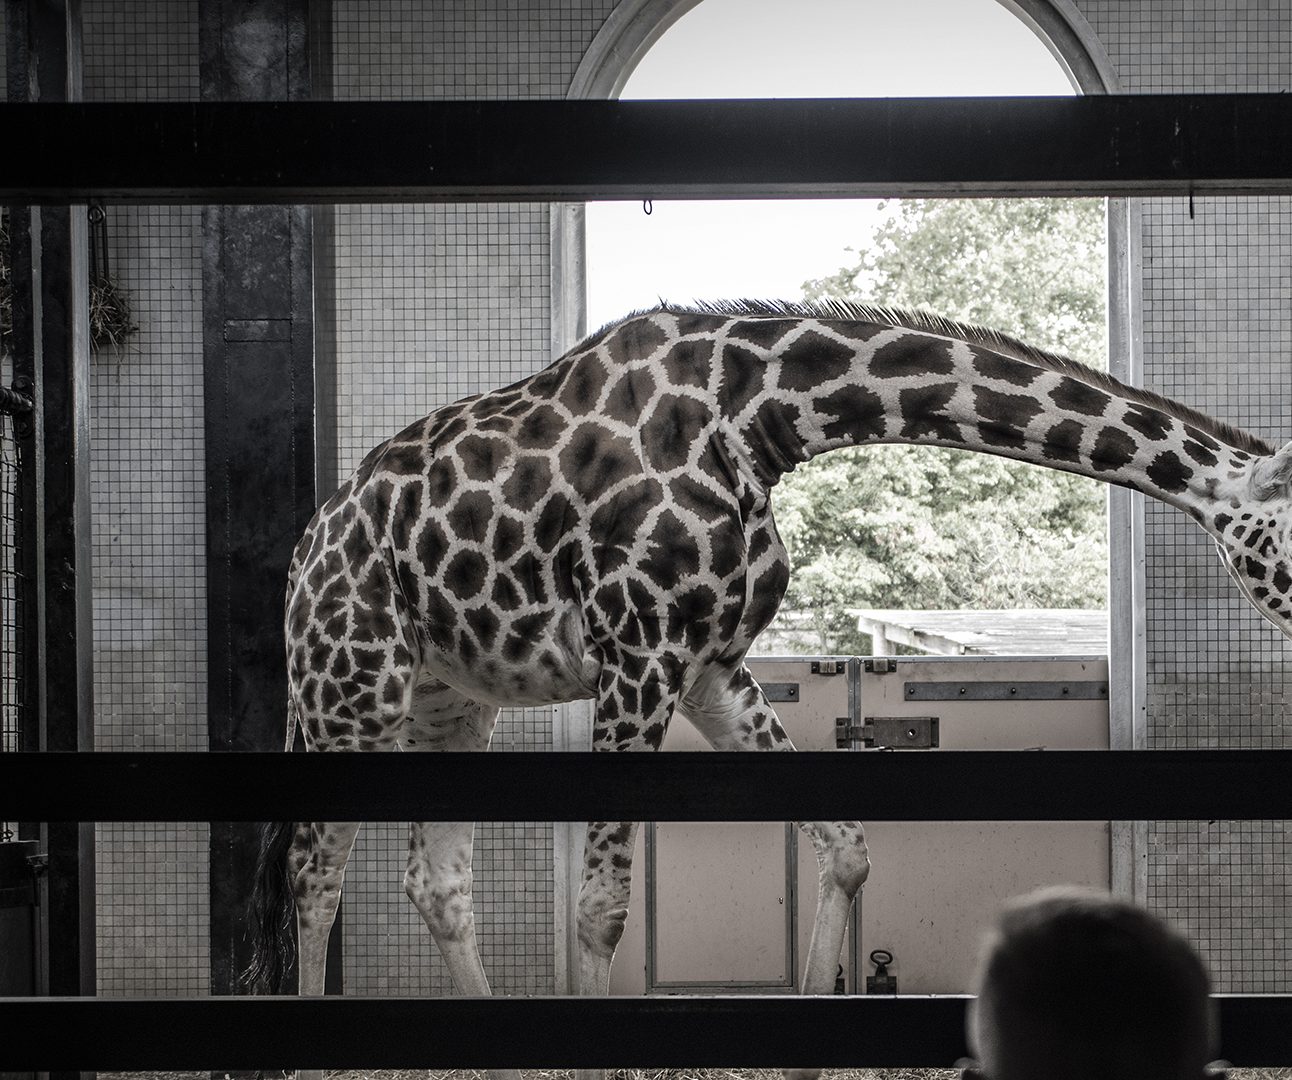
column 148, row 505
column 435, row 302
column 1217, row 335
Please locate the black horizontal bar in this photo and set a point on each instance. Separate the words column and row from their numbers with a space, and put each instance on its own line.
column 250, row 152
column 1072, row 785
column 268, row 1033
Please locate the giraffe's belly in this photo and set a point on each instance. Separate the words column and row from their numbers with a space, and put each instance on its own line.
column 533, row 660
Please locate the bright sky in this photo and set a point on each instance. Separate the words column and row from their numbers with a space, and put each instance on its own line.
column 793, row 48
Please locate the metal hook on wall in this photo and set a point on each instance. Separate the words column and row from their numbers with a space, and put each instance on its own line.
column 98, row 242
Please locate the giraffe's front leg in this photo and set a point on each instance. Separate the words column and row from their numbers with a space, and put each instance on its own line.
column 842, row 867
column 731, row 711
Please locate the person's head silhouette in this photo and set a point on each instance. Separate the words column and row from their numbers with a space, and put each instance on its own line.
column 1075, row 984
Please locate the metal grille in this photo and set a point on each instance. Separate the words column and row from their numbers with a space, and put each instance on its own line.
column 11, row 592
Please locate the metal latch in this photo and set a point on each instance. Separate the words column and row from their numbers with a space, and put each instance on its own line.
column 880, row 665
column 881, row 982
column 893, row 732
column 829, row 667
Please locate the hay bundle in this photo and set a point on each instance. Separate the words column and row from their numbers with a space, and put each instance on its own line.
column 110, row 318
column 111, row 321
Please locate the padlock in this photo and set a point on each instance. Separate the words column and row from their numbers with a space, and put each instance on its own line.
column 881, row 982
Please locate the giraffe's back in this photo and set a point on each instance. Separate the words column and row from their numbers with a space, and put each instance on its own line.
column 507, row 541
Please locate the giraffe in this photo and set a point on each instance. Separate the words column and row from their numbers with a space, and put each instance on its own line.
column 603, row 530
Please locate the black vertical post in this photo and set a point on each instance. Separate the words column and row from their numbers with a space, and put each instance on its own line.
column 51, row 334
column 23, row 348
column 259, row 337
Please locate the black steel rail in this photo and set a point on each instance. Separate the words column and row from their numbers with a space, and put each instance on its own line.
column 662, row 1032
column 1072, row 785
column 294, row 152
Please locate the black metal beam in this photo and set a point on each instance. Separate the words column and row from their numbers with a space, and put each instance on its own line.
column 1060, row 785
column 441, row 1033
column 51, row 269
column 293, row 151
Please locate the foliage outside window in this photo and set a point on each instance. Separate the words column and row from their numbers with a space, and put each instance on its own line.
column 923, row 527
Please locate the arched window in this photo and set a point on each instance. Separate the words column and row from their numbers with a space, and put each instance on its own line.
column 950, row 534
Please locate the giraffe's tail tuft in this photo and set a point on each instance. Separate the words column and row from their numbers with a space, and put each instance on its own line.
column 271, row 910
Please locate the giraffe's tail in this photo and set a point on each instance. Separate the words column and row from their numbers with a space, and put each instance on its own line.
column 271, row 911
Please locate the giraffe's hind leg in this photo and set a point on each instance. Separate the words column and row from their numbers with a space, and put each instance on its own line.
column 320, row 850
column 316, row 864
column 317, row 867
column 350, row 693
column 438, row 879
column 730, row 710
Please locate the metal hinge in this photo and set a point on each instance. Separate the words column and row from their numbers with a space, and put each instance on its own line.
column 881, row 665
column 891, row 732
column 829, row 667
column 846, row 732
column 781, row 691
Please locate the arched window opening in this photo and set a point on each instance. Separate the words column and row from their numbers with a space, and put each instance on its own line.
column 902, row 530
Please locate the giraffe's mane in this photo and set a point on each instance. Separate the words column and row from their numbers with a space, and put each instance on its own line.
column 854, row 311
column 932, row 323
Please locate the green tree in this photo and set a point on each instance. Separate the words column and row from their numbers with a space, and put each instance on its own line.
column 923, row 527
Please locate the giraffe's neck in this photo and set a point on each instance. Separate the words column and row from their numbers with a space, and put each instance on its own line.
column 796, row 387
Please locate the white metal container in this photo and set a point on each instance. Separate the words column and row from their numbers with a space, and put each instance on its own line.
column 728, row 906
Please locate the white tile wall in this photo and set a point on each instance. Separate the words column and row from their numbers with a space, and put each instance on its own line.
column 1217, row 321
column 149, row 526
